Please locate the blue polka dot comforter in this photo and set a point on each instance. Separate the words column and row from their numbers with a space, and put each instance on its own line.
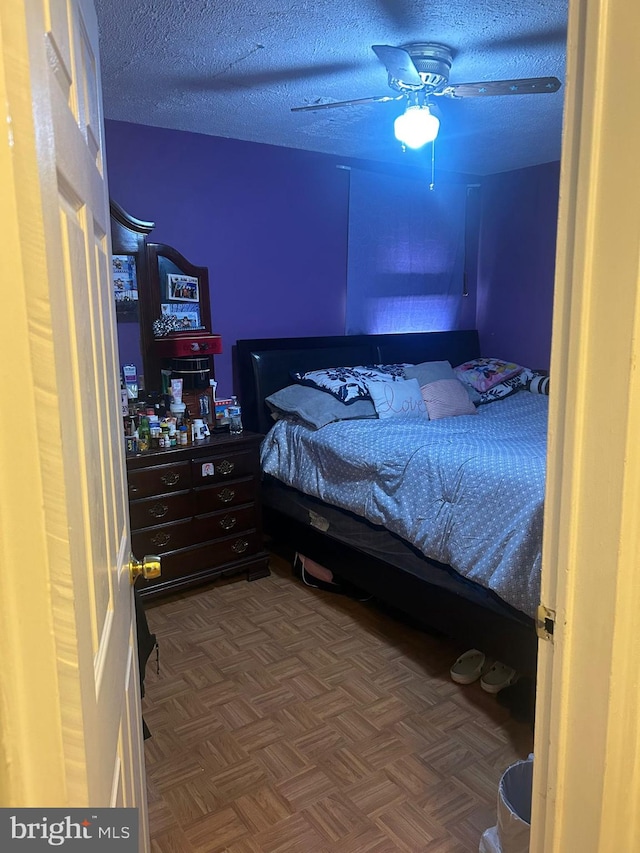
column 467, row 491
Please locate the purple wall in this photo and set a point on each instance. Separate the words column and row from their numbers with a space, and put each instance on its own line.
column 270, row 224
column 516, row 264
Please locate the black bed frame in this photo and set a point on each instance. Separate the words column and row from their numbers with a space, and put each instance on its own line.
column 264, row 366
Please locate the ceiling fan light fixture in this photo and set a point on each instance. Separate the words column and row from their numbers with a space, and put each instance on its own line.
column 416, row 126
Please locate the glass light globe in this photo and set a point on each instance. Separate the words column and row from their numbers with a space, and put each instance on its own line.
column 416, row 126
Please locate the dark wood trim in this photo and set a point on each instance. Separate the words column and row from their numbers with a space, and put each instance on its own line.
column 119, row 214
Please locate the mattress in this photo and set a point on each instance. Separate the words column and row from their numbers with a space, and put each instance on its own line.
column 466, row 491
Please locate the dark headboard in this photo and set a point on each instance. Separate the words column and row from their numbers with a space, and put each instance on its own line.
column 264, row 365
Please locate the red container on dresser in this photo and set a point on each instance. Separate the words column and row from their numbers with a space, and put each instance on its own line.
column 188, row 344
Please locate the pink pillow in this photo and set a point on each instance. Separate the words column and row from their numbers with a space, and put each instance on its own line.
column 484, row 373
column 446, row 398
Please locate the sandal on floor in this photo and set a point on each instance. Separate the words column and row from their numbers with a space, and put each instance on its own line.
column 468, row 667
column 497, row 677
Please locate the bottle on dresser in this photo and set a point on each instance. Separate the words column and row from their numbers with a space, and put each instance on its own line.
column 155, row 431
column 144, row 434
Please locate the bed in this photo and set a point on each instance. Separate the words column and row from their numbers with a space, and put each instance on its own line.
column 375, row 533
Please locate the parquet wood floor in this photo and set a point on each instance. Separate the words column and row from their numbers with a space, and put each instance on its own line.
column 286, row 720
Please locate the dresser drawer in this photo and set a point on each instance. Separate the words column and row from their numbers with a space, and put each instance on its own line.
column 149, row 512
column 166, row 537
column 161, row 479
column 225, row 495
column 217, row 525
column 181, row 564
column 224, row 466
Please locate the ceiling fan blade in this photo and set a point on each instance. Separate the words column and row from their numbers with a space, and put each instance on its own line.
column 355, row 102
column 525, row 86
column 398, row 63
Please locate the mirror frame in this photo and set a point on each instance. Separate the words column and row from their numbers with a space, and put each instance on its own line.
column 129, row 237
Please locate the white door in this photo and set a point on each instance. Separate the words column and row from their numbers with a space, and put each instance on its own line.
column 71, row 717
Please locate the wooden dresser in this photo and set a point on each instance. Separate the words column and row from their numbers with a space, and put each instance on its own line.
column 198, row 507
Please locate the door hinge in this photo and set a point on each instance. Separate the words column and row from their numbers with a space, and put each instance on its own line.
column 545, row 622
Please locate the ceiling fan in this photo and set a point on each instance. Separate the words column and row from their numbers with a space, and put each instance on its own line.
column 419, row 72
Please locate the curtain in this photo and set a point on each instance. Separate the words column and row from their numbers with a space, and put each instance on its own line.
column 406, row 257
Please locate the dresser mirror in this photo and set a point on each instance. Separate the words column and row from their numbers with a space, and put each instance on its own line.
column 162, row 309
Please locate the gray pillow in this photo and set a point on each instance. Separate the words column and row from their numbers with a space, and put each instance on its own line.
column 429, row 371
column 433, row 371
column 316, row 408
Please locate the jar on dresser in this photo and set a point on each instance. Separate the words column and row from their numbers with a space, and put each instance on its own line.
column 198, row 508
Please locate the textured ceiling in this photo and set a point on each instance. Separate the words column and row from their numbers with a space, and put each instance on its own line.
column 234, row 68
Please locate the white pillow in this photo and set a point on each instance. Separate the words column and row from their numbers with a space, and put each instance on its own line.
column 398, row 399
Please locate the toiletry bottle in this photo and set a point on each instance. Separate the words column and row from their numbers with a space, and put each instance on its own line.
column 156, row 432
column 144, row 434
column 178, row 410
column 164, row 437
column 197, row 429
column 235, row 420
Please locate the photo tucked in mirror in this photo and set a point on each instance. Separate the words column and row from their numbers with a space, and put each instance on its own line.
column 125, row 288
column 180, row 295
column 125, row 291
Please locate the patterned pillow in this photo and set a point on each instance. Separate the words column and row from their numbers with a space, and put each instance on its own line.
column 398, row 399
column 446, row 398
column 506, row 388
column 348, row 384
column 484, row 373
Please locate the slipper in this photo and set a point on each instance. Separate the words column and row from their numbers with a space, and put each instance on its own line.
column 339, row 586
column 468, row 667
column 500, row 675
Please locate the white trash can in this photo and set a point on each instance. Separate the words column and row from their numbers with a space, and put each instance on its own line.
column 511, row 834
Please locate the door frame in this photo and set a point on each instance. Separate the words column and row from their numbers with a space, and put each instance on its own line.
column 587, row 748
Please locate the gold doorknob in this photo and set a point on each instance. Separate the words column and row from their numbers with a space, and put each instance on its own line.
column 149, row 568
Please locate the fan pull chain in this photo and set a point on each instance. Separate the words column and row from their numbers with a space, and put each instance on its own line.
column 433, row 166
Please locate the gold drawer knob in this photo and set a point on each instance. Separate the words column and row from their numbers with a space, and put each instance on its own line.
column 240, row 546
column 226, row 495
column 226, row 467
column 158, row 510
column 170, row 478
column 228, row 522
column 161, row 539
